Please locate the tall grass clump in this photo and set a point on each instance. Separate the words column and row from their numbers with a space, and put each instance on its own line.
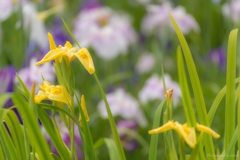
column 21, row 135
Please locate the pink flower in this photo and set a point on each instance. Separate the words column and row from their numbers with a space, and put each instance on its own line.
column 154, row 90
column 6, row 8
column 157, row 19
column 232, row 10
column 145, row 63
column 106, row 31
column 124, row 105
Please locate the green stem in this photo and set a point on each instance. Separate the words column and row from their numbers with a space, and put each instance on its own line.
column 182, row 149
column 73, row 150
column 112, row 122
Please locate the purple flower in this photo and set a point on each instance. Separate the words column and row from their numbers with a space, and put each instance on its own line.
column 129, row 143
column 123, row 104
column 218, row 56
column 153, row 89
column 107, row 32
column 7, row 78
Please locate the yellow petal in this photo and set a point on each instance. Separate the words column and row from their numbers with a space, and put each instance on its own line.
column 52, row 44
column 51, row 55
column 68, row 45
column 85, row 58
column 83, row 105
column 40, row 96
column 168, row 126
column 60, row 94
column 208, row 130
column 187, row 133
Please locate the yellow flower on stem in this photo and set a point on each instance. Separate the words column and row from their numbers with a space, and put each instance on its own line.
column 69, row 52
column 84, row 108
column 186, row 132
column 55, row 93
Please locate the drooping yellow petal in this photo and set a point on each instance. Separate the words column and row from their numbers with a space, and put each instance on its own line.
column 187, row 133
column 85, row 58
column 40, row 96
column 60, row 94
column 83, row 105
column 168, row 126
column 202, row 128
column 52, row 43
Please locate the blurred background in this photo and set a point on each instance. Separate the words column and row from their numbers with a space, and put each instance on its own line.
column 130, row 41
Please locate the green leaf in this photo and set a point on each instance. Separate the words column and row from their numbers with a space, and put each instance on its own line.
column 230, row 97
column 33, row 130
column 17, row 135
column 111, row 121
column 87, row 133
column 3, row 99
column 23, row 88
column 1, row 153
column 227, row 155
column 112, row 149
column 154, row 138
column 54, row 134
column 7, row 144
column 197, row 91
column 186, row 97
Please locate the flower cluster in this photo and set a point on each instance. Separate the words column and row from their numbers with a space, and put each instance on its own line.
column 185, row 132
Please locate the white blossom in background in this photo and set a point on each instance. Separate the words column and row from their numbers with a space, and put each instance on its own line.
column 107, row 32
column 154, row 89
column 6, row 9
column 123, row 104
column 35, row 73
column 232, row 10
column 34, row 24
column 157, row 19
column 145, row 63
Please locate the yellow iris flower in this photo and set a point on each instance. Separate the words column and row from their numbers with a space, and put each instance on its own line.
column 186, row 132
column 84, row 108
column 70, row 53
column 50, row 92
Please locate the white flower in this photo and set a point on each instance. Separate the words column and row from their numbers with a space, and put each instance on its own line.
column 34, row 24
column 145, row 63
column 124, row 105
column 107, row 32
column 157, row 19
column 35, row 73
column 6, row 8
column 232, row 10
column 154, row 89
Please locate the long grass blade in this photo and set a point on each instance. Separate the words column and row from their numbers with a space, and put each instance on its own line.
column 230, row 97
column 197, row 91
column 34, row 133
column 154, row 138
column 112, row 149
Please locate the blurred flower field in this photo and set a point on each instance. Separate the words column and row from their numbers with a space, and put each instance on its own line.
column 129, row 79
